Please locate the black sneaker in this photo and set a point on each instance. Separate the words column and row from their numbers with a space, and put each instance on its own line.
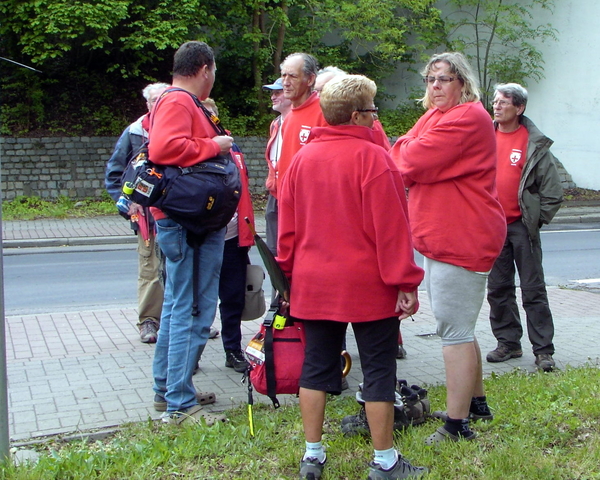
column 545, row 362
column 502, row 353
column 401, row 352
column 402, row 469
column 311, row 468
column 148, row 331
column 237, row 361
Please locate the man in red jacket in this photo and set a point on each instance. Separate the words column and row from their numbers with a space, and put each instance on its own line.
column 298, row 74
column 182, row 135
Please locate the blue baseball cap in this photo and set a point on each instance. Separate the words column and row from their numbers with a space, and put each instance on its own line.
column 276, row 85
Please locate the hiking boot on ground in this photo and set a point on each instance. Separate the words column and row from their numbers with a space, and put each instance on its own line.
column 402, row 469
column 311, row 468
column 148, row 331
column 358, row 424
column 545, row 362
column 237, row 361
column 502, row 353
column 416, row 408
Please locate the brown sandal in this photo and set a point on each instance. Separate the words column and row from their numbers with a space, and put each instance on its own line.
column 204, row 398
column 195, row 415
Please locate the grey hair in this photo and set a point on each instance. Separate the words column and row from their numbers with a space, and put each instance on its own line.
column 517, row 93
column 331, row 69
column 460, row 67
column 147, row 91
column 311, row 65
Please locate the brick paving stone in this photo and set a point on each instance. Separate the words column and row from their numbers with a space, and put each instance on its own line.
column 71, row 372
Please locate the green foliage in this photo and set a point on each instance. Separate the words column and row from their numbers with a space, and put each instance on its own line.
column 545, row 428
column 399, row 121
column 30, row 208
column 498, row 38
column 97, row 56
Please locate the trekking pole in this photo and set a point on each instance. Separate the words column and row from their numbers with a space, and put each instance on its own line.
column 250, row 403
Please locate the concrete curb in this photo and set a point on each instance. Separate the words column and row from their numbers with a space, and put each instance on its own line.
column 69, row 242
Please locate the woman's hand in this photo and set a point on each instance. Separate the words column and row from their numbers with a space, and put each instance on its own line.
column 407, row 304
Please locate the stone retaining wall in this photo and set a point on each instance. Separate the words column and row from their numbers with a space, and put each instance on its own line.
column 50, row 167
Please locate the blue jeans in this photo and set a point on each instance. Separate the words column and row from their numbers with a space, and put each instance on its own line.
column 182, row 337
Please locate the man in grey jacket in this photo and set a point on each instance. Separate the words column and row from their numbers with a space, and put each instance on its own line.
column 150, row 284
column 530, row 192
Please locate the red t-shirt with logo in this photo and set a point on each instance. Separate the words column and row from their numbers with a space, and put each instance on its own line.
column 512, row 154
column 296, row 129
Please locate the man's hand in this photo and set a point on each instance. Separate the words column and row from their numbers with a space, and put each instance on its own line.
column 225, row 142
column 135, row 209
column 407, row 304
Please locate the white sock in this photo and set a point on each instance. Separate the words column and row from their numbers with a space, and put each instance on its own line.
column 386, row 458
column 314, row 450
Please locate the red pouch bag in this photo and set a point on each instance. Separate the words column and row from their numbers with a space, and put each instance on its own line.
column 276, row 355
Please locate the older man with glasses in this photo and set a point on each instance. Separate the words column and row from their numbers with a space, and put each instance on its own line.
column 530, row 192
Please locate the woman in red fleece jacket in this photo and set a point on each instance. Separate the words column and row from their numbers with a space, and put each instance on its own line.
column 448, row 162
column 344, row 242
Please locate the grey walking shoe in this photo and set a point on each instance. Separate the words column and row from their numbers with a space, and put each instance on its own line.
column 402, row 469
column 311, row 468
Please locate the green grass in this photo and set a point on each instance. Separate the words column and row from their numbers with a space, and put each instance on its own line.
column 30, row 208
column 546, row 427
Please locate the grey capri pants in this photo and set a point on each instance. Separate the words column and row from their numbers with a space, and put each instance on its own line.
column 456, row 296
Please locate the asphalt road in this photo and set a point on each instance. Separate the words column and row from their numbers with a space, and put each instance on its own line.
column 47, row 280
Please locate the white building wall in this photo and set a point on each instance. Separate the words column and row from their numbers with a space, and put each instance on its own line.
column 564, row 104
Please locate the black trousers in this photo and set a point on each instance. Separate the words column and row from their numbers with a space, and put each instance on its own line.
column 232, row 293
column 526, row 253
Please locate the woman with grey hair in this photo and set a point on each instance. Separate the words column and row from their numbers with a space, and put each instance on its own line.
column 448, row 163
column 342, row 217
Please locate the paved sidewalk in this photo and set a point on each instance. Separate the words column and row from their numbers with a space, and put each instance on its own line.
column 72, row 372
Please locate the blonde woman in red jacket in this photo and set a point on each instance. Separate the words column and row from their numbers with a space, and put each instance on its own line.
column 448, row 163
column 345, row 244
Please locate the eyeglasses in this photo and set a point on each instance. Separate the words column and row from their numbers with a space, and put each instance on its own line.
column 443, row 79
column 373, row 110
column 501, row 103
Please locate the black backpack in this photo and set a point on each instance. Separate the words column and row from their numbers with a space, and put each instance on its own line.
column 202, row 198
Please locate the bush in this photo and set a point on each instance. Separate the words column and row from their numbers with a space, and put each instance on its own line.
column 400, row 120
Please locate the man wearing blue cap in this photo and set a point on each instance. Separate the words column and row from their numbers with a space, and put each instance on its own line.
column 283, row 106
